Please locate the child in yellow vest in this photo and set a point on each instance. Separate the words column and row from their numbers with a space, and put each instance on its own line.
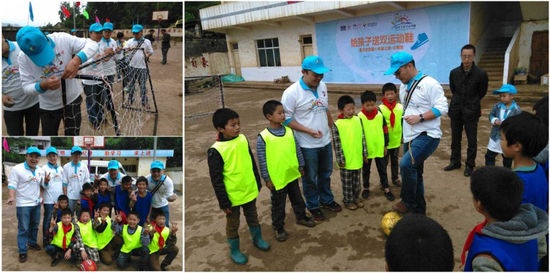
column 392, row 112
column 236, row 180
column 163, row 242
column 135, row 241
column 102, row 224
column 63, row 239
column 86, row 237
column 350, row 148
column 281, row 164
column 376, row 134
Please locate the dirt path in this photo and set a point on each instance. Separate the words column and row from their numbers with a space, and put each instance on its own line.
column 347, row 241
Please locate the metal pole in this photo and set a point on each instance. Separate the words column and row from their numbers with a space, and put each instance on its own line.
column 154, row 148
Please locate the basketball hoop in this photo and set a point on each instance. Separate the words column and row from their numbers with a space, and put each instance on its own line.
column 159, row 18
column 88, row 142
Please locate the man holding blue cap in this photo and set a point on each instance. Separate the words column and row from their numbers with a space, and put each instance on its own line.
column 424, row 102
column 307, row 112
column 162, row 188
column 76, row 174
column 48, row 60
column 140, row 50
column 53, row 188
column 24, row 189
column 113, row 176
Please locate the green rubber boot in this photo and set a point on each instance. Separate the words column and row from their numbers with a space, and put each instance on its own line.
column 256, row 233
column 236, row 255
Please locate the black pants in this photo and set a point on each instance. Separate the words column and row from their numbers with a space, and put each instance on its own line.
column 457, row 124
column 71, row 120
column 393, row 156
column 380, row 167
column 15, row 119
column 164, row 54
column 278, row 203
column 490, row 157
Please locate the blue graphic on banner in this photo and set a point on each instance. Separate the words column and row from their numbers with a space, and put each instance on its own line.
column 358, row 50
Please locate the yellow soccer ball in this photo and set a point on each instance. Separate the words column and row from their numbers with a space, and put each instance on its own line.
column 389, row 220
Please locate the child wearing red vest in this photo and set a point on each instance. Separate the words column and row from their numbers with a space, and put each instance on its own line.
column 236, row 180
column 163, row 242
column 63, row 239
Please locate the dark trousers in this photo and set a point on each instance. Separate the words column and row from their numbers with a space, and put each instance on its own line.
column 170, row 252
column 71, row 120
column 234, row 218
column 15, row 119
column 457, row 124
column 97, row 96
column 278, row 203
column 393, row 156
column 380, row 167
column 140, row 75
column 490, row 158
column 164, row 54
column 125, row 259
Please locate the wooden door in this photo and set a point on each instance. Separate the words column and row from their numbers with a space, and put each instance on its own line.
column 538, row 64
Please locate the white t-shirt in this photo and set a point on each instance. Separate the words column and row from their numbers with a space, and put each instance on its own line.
column 11, row 81
column 111, row 182
column 138, row 58
column 109, row 67
column 76, row 176
column 65, row 46
column 309, row 110
column 26, row 184
column 165, row 191
column 55, row 187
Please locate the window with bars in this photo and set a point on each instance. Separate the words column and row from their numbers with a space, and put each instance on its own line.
column 268, row 52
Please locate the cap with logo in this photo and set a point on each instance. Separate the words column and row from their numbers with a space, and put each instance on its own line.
column 137, row 28
column 50, row 150
column 315, row 64
column 95, row 27
column 33, row 150
column 76, row 149
column 113, row 165
column 506, row 88
column 108, row 26
column 36, row 45
column 398, row 60
column 157, row 165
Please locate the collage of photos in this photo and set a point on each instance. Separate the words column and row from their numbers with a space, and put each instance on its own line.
column 92, row 136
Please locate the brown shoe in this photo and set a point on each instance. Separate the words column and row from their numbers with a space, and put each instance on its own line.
column 351, row 206
column 359, row 204
column 22, row 257
column 397, row 182
column 400, row 207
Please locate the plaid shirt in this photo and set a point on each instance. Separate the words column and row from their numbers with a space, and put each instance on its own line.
column 93, row 253
column 337, row 144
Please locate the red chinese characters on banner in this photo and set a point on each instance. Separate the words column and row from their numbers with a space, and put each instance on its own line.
column 382, row 42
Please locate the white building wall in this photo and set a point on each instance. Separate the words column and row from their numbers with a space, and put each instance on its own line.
column 288, row 34
column 526, row 33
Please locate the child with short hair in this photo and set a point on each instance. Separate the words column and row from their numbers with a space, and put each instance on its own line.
column 236, row 180
column 163, row 242
column 105, row 237
column 376, row 135
column 143, row 202
column 63, row 239
column 521, row 138
column 124, row 196
column 502, row 110
column 350, row 148
column 419, row 243
column 86, row 237
column 512, row 236
column 392, row 111
column 135, row 241
column 62, row 203
column 281, row 164
column 104, row 194
column 87, row 199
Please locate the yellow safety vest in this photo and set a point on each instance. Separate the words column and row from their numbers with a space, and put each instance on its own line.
column 131, row 242
column 281, row 158
column 351, row 138
column 396, row 131
column 88, row 234
column 374, row 134
column 238, row 175
column 57, row 239
column 105, row 237
column 154, row 245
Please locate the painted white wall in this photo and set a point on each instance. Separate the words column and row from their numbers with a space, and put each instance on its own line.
column 271, row 73
column 527, row 29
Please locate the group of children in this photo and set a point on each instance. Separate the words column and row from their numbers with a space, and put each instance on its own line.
column 375, row 133
column 83, row 229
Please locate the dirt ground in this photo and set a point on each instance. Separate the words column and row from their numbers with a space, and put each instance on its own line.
column 167, row 85
column 40, row 260
column 346, row 241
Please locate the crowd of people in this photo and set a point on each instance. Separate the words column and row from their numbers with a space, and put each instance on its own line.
column 35, row 65
column 302, row 136
column 107, row 218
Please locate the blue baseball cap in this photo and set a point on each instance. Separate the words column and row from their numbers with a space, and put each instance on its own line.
column 73, row 30
column 506, row 88
column 95, row 27
column 33, row 150
column 113, row 165
column 315, row 64
column 108, row 26
column 35, row 44
column 137, row 28
column 76, row 149
column 398, row 60
column 50, row 150
column 157, row 165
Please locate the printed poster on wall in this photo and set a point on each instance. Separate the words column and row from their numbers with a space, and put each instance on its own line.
column 358, row 50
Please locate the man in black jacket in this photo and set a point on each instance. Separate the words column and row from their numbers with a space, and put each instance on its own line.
column 468, row 84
